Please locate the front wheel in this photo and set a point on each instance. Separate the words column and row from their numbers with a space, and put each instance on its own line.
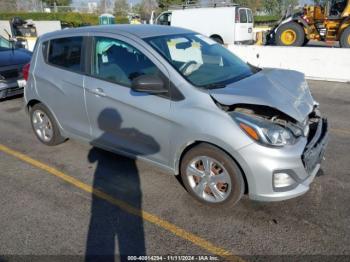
column 290, row 34
column 211, row 176
column 345, row 38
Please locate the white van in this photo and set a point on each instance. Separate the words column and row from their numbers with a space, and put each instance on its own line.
column 226, row 25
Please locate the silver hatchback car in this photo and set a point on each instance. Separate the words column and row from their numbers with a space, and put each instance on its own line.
column 183, row 102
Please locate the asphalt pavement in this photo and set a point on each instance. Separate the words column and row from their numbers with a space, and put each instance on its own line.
column 74, row 200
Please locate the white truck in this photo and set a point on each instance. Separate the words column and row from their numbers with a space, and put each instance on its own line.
column 224, row 24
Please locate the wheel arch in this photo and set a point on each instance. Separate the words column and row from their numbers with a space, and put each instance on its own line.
column 34, row 101
column 193, row 144
column 296, row 20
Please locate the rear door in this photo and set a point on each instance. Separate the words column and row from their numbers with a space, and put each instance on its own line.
column 59, row 80
column 244, row 26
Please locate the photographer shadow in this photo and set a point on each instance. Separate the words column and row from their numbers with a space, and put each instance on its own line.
column 110, row 226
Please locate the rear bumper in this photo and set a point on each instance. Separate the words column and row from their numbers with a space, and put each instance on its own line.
column 10, row 88
column 301, row 161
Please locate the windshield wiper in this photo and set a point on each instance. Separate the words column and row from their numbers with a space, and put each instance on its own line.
column 214, row 86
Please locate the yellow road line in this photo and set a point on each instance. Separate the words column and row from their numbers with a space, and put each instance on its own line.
column 340, row 131
column 124, row 206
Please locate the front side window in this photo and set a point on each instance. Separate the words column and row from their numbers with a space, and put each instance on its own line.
column 243, row 15
column 164, row 19
column 119, row 62
column 200, row 60
column 66, row 52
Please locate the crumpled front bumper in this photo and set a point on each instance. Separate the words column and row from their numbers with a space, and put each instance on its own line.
column 301, row 161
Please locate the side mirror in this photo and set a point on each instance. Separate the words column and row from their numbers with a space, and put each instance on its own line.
column 151, row 84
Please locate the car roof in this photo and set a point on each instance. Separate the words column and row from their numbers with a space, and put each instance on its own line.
column 140, row 31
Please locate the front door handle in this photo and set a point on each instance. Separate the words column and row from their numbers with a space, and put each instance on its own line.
column 97, row 91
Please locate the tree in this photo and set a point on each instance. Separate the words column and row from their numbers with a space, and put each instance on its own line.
column 121, row 8
column 58, row 2
column 146, row 8
column 164, row 4
column 278, row 7
column 252, row 4
column 8, row 5
column 270, row 6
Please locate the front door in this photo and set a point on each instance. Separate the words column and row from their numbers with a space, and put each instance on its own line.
column 122, row 119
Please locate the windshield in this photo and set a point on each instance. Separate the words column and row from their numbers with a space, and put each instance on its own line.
column 200, row 60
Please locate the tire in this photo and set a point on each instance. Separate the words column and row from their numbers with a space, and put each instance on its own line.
column 227, row 190
column 290, row 34
column 345, row 38
column 217, row 39
column 45, row 126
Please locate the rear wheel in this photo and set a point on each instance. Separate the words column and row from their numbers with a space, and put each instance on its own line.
column 290, row 34
column 211, row 176
column 345, row 38
column 44, row 125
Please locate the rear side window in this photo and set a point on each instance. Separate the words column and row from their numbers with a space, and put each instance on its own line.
column 243, row 15
column 66, row 53
column 119, row 62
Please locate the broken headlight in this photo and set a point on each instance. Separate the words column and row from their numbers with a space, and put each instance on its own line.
column 264, row 131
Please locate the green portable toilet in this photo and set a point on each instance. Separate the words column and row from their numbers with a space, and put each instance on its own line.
column 106, row 19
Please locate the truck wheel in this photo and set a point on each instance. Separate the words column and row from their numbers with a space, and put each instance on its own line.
column 211, row 176
column 44, row 125
column 290, row 34
column 345, row 38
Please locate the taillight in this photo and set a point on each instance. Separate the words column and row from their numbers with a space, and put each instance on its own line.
column 25, row 71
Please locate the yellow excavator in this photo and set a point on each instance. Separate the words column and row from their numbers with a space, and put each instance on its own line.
column 328, row 23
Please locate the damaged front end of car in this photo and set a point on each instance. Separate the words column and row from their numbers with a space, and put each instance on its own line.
column 299, row 148
column 273, row 128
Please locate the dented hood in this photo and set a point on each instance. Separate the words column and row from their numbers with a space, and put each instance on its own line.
column 284, row 90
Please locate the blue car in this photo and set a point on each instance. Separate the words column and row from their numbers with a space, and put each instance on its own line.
column 12, row 61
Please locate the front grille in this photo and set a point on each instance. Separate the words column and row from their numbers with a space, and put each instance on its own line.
column 8, row 74
column 317, row 141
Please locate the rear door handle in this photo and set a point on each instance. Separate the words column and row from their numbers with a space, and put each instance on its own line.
column 97, row 91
